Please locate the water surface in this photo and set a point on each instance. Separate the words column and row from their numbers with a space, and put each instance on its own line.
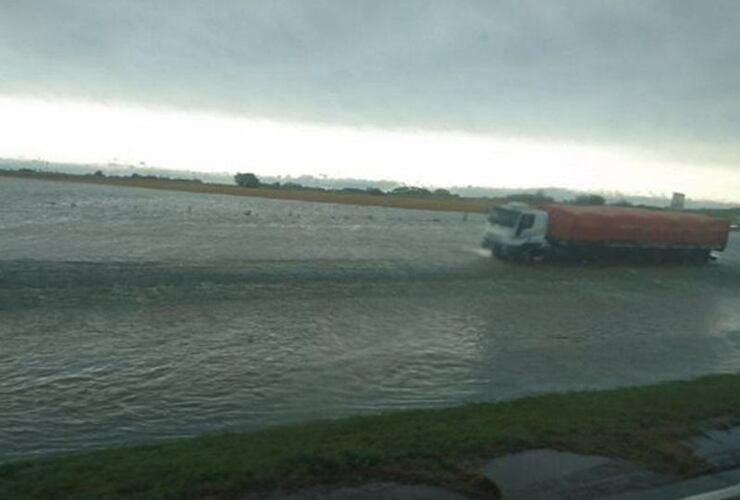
column 129, row 315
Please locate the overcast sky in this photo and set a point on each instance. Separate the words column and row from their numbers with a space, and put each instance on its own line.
column 653, row 83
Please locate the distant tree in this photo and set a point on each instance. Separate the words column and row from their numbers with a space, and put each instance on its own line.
column 622, row 203
column 247, row 180
column 374, row 191
column 589, row 199
column 531, row 198
column 149, row 177
column 441, row 192
column 411, row 191
column 99, row 173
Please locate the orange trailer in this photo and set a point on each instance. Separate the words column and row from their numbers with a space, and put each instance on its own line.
column 613, row 226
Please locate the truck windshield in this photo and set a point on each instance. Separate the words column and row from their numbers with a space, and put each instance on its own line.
column 504, row 217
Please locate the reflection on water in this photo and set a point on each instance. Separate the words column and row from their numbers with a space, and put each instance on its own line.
column 125, row 318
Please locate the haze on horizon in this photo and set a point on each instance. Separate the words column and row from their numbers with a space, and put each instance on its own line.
column 635, row 96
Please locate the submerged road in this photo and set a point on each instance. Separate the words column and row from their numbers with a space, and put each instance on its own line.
column 129, row 315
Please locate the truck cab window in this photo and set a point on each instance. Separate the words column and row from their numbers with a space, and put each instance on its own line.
column 525, row 222
column 504, row 217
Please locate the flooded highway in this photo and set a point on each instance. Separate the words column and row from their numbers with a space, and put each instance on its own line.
column 131, row 315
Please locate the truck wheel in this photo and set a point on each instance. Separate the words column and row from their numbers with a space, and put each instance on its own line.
column 657, row 257
column 529, row 255
column 497, row 251
column 700, row 257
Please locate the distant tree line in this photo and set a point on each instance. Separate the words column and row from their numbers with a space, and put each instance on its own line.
column 101, row 174
column 588, row 199
column 539, row 198
column 250, row 180
column 157, row 178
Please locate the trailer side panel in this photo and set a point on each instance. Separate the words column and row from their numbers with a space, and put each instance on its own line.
column 613, row 226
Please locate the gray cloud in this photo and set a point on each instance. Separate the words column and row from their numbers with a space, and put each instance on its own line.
column 659, row 74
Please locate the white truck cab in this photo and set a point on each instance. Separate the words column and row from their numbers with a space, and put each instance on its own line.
column 516, row 230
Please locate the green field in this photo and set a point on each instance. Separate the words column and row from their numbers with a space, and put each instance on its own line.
column 444, row 447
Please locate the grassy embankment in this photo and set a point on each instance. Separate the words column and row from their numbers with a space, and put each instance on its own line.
column 451, row 204
column 445, row 447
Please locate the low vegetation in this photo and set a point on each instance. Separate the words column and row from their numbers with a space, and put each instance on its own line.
column 444, row 446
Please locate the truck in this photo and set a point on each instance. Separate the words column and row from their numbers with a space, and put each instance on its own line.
column 517, row 231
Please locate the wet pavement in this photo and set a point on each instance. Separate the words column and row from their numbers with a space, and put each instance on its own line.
column 557, row 475
column 719, row 447
column 370, row 491
column 551, row 474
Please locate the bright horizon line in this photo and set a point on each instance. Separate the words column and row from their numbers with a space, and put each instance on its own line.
column 89, row 133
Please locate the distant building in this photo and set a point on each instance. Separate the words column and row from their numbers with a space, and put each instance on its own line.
column 678, row 201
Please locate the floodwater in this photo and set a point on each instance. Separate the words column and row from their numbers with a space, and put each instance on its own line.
column 130, row 315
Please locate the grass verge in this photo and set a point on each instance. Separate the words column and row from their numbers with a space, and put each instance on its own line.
column 445, row 446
